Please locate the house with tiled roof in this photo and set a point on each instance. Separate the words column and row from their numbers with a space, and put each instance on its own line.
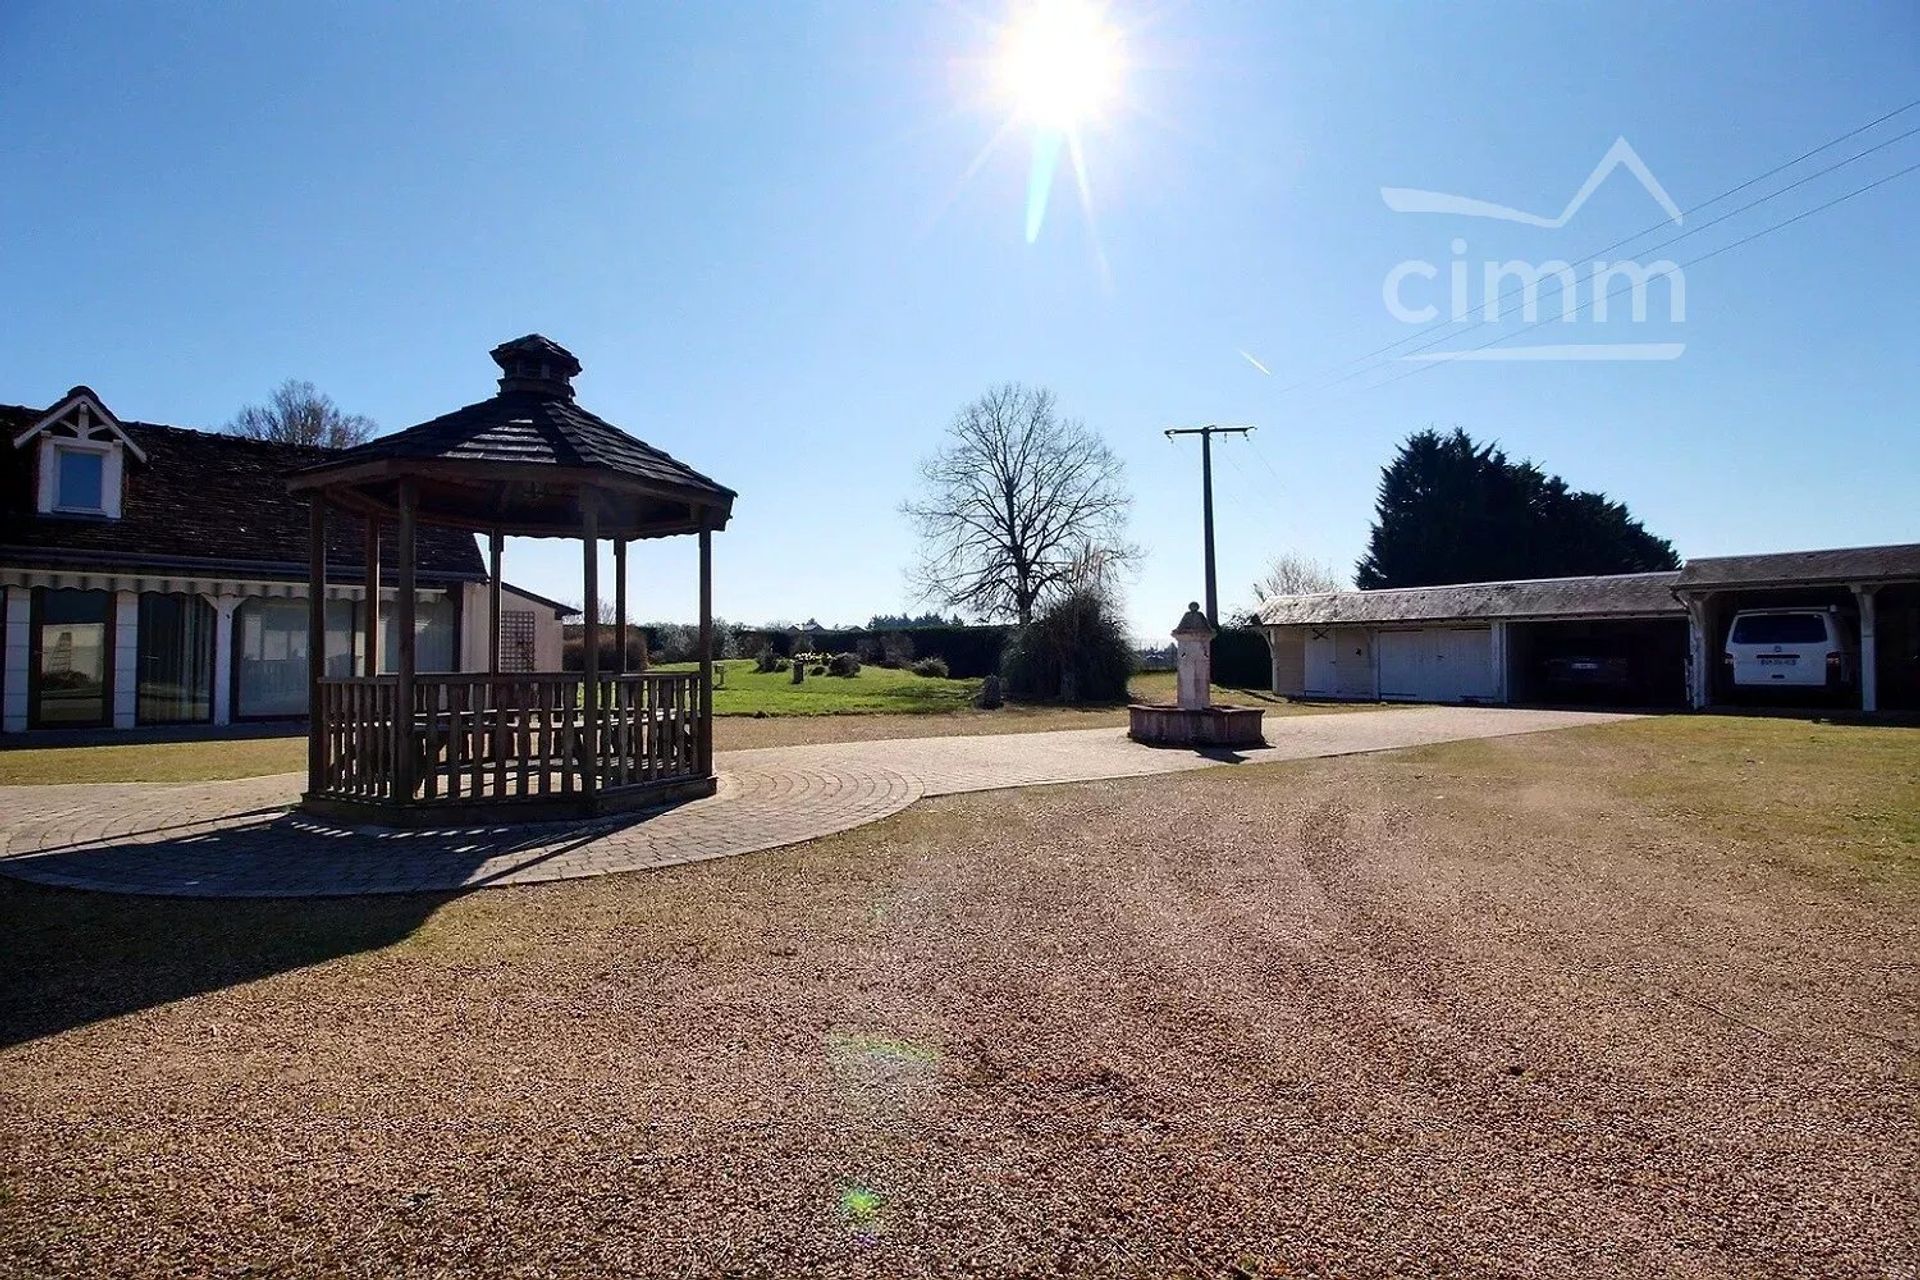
column 156, row 575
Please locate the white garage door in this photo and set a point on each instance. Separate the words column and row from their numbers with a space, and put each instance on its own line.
column 1439, row 664
column 1339, row 662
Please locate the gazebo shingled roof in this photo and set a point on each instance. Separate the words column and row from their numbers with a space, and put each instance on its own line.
column 518, row 460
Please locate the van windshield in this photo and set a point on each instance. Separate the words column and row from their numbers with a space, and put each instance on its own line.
column 1780, row 628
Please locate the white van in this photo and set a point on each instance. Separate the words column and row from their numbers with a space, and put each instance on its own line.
column 1791, row 648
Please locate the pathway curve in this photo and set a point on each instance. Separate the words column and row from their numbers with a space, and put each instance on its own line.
column 243, row 839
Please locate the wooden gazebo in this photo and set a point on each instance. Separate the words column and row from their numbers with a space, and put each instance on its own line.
column 414, row 748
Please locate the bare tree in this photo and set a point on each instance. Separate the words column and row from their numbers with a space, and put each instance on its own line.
column 1291, row 574
column 1020, row 506
column 299, row 413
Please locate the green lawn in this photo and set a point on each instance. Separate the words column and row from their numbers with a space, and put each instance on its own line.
column 879, row 690
column 747, row 692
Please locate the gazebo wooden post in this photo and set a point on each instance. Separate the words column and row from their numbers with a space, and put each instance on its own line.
column 316, row 640
column 403, row 621
column 371, row 666
column 703, row 757
column 620, row 600
column 494, row 547
column 590, row 656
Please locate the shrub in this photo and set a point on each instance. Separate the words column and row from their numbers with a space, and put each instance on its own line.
column 817, row 670
column 573, row 647
column 1075, row 651
column 675, row 641
column 1241, row 658
column 896, row 649
column 766, row 660
column 934, row 667
column 844, row 664
column 990, row 695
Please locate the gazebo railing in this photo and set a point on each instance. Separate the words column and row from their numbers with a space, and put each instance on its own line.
column 480, row 738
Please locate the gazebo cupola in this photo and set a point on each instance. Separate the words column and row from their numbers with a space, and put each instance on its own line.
column 528, row 461
column 536, row 364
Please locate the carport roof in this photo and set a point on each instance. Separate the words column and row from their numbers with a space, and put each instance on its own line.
column 1797, row 568
column 1627, row 595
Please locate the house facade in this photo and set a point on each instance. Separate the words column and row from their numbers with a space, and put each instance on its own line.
column 154, row 575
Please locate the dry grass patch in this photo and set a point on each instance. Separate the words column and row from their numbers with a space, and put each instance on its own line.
column 154, row 761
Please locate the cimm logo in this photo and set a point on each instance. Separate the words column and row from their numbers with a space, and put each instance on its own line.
column 1490, row 290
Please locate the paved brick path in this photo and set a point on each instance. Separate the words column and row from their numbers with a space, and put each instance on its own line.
column 242, row 839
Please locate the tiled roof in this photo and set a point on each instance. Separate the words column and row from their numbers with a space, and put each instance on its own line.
column 1614, row 595
column 1841, row 564
column 216, row 502
column 534, row 427
column 561, row 609
column 538, row 345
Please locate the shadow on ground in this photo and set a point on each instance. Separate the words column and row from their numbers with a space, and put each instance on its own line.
column 77, row 958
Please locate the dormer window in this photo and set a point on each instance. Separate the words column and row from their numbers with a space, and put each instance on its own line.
column 80, row 478
column 83, row 457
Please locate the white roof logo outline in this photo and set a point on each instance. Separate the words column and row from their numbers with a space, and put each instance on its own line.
column 1413, row 200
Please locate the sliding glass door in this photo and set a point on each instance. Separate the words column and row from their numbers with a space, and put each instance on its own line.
column 72, row 641
column 270, row 662
column 436, row 634
column 175, row 659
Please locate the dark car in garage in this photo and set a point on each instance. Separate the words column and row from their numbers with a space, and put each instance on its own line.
column 1598, row 668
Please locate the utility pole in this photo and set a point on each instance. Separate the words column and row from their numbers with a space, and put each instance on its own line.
column 1206, row 434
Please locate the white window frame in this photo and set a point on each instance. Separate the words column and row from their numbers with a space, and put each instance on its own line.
column 51, row 499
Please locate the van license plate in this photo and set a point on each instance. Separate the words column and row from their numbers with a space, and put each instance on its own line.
column 1778, row 659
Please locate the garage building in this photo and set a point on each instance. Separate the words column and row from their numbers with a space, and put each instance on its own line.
column 1478, row 642
column 1646, row 639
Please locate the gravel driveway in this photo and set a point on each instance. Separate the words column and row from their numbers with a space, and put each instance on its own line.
column 1484, row 1008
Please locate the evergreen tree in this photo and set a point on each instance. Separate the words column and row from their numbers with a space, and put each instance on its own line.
column 1450, row 510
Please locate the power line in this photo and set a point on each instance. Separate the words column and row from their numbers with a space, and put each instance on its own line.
column 1746, row 239
column 1313, row 379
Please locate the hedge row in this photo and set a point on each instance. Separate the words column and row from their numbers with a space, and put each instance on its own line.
column 1241, row 658
column 573, row 648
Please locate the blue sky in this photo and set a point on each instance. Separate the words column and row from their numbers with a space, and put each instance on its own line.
column 755, row 225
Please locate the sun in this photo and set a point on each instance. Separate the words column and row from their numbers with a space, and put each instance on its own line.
column 1060, row 64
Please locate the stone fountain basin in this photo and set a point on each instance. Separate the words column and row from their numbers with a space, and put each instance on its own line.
column 1158, row 725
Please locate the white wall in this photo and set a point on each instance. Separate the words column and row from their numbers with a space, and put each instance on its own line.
column 1339, row 662
column 1289, row 646
column 548, row 632
column 13, row 704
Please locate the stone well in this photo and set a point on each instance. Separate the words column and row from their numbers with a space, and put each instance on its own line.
column 1193, row 721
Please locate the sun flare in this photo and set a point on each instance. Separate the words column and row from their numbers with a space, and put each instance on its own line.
column 1060, row 63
